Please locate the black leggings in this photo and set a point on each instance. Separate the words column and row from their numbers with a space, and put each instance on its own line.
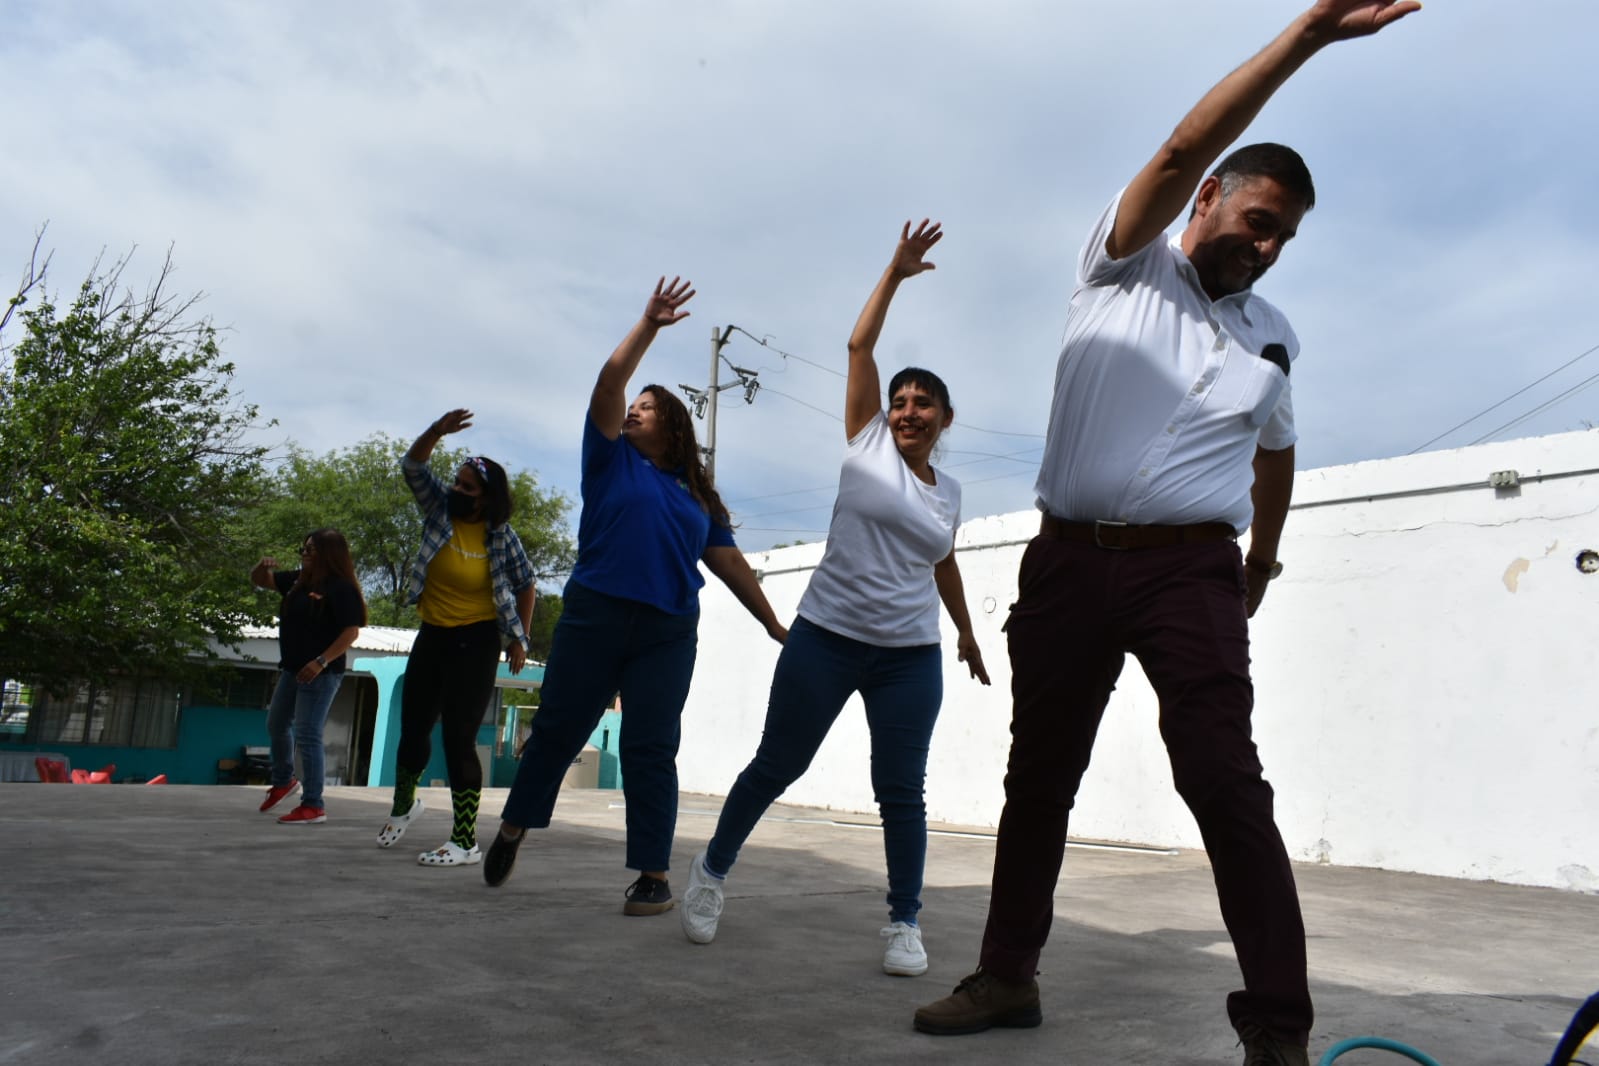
column 450, row 675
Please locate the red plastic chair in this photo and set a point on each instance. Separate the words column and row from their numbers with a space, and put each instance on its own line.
column 80, row 777
column 103, row 776
column 53, row 771
column 158, row 779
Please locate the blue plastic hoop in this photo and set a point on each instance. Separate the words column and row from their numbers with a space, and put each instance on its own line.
column 1381, row 1043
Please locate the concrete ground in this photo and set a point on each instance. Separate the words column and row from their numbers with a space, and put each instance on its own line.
column 178, row 925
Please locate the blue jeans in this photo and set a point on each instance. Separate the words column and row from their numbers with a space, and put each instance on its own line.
column 816, row 673
column 604, row 645
column 295, row 720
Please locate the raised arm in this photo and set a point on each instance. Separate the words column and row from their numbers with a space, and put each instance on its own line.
column 261, row 573
column 1158, row 194
column 608, row 404
column 449, row 422
column 863, row 390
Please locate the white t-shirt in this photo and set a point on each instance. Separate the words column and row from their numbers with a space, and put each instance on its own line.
column 875, row 580
column 1161, row 394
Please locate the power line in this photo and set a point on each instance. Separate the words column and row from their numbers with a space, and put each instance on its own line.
column 802, row 403
column 997, row 432
column 833, row 487
column 996, row 477
column 787, row 492
column 791, row 510
column 1011, row 457
column 1552, row 401
column 1504, row 401
column 764, row 342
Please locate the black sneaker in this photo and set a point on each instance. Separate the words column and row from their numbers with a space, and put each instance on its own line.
column 648, row 895
column 501, row 857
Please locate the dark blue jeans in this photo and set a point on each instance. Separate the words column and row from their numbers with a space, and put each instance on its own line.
column 816, row 673
column 604, row 645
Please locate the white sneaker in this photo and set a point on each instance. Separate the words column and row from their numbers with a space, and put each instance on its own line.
column 904, row 956
column 702, row 903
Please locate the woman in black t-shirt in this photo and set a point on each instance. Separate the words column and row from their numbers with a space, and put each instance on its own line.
column 322, row 614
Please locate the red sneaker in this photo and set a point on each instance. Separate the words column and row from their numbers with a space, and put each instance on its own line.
column 276, row 795
column 303, row 815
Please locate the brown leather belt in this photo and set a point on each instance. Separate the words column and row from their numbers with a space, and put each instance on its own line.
column 1119, row 536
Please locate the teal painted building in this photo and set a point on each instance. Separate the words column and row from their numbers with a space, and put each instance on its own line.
column 217, row 734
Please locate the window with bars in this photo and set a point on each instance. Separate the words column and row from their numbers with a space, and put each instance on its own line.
column 126, row 714
column 16, row 702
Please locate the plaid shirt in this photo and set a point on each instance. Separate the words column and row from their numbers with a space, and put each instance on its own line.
column 509, row 569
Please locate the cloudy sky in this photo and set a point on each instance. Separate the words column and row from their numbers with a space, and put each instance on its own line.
column 396, row 207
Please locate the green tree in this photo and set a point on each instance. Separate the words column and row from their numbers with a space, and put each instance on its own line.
column 123, row 469
column 360, row 491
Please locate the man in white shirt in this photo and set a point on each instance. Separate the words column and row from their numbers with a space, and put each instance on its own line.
column 1171, row 433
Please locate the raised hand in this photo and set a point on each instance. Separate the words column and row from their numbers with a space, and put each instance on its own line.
column 908, row 261
column 453, row 422
column 1341, row 20
column 662, row 309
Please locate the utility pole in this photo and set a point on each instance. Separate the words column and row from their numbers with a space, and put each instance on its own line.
column 718, row 340
column 704, row 400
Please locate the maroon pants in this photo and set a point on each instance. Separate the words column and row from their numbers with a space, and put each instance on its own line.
column 1180, row 610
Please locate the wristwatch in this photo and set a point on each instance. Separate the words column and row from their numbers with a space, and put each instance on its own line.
column 323, row 663
column 1271, row 570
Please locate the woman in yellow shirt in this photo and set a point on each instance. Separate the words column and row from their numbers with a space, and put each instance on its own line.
column 473, row 587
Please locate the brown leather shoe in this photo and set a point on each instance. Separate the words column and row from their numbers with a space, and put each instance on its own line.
column 1264, row 1048
column 982, row 1001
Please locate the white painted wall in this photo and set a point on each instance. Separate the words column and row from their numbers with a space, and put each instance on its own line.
column 1425, row 696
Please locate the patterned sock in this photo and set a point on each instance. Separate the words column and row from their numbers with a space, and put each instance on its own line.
column 404, row 790
column 463, row 833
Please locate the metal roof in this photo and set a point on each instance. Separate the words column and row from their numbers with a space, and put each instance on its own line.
column 372, row 638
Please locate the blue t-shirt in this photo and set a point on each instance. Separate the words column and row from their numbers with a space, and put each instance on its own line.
column 641, row 533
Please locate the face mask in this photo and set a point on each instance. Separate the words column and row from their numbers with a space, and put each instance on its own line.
column 461, row 505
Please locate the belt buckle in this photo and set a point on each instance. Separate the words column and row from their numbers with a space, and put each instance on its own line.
column 1099, row 543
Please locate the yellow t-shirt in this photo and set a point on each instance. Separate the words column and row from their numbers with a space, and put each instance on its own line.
column 458, row 590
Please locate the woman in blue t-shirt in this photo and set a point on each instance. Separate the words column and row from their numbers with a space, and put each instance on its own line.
column 631, row 610
column 321, row 615
column 868, row 623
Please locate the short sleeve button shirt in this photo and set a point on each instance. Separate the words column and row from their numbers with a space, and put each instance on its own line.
column 1161, row 394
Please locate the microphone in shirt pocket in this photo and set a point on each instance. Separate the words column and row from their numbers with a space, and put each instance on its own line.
column 1277, row 354
column 1265, row 388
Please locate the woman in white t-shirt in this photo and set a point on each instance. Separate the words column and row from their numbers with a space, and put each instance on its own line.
column 867, row 623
